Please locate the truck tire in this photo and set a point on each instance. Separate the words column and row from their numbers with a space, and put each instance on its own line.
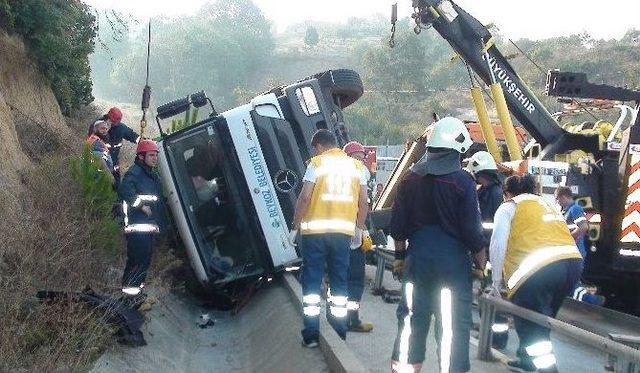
column 192, row 284
column 212, row 297
column 343, row 83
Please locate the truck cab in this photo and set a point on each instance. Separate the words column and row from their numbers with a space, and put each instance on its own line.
column 232, row 179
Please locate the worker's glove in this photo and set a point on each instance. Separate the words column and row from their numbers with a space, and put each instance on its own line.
column 487, row 270
column 398, row 264
column 146, row 210
column 477, row 274
column 293, row 234
column 367, row 242
column 480, row 259
column 398, row 267
column 484, row 275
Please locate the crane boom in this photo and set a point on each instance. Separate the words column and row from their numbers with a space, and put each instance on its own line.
column 473, row 42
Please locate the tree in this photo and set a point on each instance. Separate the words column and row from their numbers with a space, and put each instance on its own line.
column 219, row 49
column 311, row 37
column 59, row 35
column 112, row 42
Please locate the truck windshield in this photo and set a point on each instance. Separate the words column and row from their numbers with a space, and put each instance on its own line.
column 212, row 206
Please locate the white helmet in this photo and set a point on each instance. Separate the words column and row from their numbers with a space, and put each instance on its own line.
column 450, row 133
column 481, row 161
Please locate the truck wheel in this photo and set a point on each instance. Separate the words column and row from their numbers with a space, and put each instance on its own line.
column 345, row 84
column 212, row 297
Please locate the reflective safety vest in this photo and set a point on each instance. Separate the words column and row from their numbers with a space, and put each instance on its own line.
column 92, row 139
column 140, row 187
column 539, row 236
column 141, row 200
column 334, row 201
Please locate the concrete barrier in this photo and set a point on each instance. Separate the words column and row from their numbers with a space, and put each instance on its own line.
column 338, row 355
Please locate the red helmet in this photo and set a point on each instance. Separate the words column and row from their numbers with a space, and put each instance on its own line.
column 353, row 147
column 114, row 115
column 146, row 146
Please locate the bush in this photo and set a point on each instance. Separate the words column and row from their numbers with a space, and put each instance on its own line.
column 98, row 199
column 59, row 35
column 63, row 239
column 189, row 120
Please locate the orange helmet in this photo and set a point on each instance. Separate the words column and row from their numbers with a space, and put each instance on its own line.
column 353, row 147
column 146, row 146
column 114, row 115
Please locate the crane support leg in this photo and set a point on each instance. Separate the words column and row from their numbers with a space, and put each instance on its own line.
column 485, row 124
column 515, row 154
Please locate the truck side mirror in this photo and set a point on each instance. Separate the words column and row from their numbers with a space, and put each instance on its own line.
column 199, row 99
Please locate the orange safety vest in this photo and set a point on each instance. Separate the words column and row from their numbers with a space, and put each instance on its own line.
column 539, row 236
column 336, row 194
column 93, row 138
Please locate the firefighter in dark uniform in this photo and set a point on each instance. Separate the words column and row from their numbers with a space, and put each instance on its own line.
column 143, row 210
column 490, row 197
column 485, row 171
column 436, row 211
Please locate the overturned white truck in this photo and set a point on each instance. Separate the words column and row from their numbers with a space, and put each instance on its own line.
column 232, row 179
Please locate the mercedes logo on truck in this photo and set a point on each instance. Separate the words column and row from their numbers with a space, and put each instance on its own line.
column 285, row 181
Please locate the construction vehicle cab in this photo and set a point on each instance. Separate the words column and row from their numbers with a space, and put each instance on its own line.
column 232, row 179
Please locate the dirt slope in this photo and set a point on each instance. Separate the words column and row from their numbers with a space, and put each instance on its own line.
column 30, row 119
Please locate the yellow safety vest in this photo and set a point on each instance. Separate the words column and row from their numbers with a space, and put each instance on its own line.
column 334, row 201
column 539, row 236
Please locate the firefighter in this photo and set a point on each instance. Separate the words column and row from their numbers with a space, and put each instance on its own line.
column 534, row 252
column 143, row 210
column 360, row 245
column 117, row 132
column 485, row 171
column 436, row 211
column 574, row 215
column 331, row 205
column 98, row 142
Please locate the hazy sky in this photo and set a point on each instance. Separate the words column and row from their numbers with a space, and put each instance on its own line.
column 532, row 19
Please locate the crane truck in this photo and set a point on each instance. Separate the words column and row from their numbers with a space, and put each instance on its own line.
column 605, row 177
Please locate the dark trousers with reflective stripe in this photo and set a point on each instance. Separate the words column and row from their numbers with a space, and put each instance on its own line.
column 139, row 253
column 356, row 282
column 581, row 294
column 544, row 292
column 320, row 251
column 117, row 179
column 436, row 261
column 500, row 338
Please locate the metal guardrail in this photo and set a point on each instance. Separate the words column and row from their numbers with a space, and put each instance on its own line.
column 628, row 356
